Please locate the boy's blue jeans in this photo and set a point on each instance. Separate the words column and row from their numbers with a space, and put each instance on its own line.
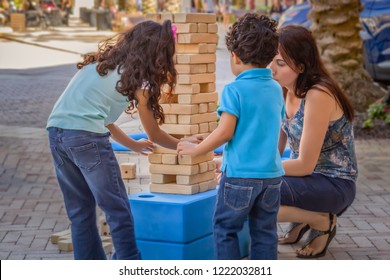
column 242, row 198
column 88, row 173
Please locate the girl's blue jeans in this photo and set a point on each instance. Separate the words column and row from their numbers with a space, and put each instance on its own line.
column 242, row 198
column 88, row 174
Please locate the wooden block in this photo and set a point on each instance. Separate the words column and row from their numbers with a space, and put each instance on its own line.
column 104, row 228
column 128, row 170
column 209, row 185
column 198, row 17
column 211, row 165
column 207, row 87
column 18, row 22
column 195, row 58
column 197, row 98
column 194, row 179
column 190, row 160
column 180, row 129
column 191, row 68
column 166, row 16
column 211, row 48
column 64, row 237
column 213, row 184
column 196, row 78
column 211, row 68
column 203, row 127
column 162, row 178
column 192, row 48
column 65, row 245
column 194, row 38
column 212, row 126
column 107, row 247
column 170, row 118
column 167, row 99
column 174, row 169
column 198, row 118
column 203, row 166
column 155, row 158
column 153, row 17
column 180, row 109
column 187, row 89
column 212, row 28
column 174, row 188
column 162, row 150
column 186, row 28
column 203, row 108
column 202, row 27
column 54, row 238
column 212, row 107
column 106, row 238
column 169, row 159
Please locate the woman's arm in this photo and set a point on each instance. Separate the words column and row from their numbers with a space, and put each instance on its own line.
column 152, row 129
column 318, row 109
column 282, row 142
column 222, row 134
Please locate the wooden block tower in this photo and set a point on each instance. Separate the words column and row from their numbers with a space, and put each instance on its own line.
column 192, row 109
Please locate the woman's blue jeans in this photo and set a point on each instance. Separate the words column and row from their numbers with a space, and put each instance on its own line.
column 242, row 198
column 88, row 174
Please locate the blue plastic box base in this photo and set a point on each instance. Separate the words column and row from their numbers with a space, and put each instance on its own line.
column 172, row 217
column 200, row 249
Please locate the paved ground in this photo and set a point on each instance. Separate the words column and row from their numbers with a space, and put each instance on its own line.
column 31, row 206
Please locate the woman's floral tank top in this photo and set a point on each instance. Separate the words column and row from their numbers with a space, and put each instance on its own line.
column 337, row 157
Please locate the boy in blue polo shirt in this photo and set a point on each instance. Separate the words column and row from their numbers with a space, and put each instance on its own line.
column 251, row 109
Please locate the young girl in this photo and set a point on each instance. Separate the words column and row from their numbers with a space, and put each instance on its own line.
column 320, row 176
column 126, row 72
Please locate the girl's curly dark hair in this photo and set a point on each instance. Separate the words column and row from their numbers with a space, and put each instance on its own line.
column 143, row 56
column 253, row 39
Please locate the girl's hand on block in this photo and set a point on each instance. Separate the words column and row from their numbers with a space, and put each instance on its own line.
column 144, row 144
column 186, row 148
column 193, row 139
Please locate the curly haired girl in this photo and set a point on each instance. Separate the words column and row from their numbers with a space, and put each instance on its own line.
column 127, row 71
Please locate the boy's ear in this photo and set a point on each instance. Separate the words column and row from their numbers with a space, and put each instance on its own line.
column 236, row 59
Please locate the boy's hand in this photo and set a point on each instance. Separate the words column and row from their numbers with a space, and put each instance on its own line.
column 144, row 144
column 186, row 148
column 218, row 162
column 193, row 139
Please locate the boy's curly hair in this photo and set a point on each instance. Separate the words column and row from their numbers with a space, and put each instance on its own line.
column 253, row 39
column 143, row 56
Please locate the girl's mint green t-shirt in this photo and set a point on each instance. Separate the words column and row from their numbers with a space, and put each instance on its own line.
column 89, row 102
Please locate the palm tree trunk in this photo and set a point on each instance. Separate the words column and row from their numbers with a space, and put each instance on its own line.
column 172, row 6
column 149, row 6
column 336, row 29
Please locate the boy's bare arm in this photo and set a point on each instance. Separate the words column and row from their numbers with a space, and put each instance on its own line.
column 222, row 134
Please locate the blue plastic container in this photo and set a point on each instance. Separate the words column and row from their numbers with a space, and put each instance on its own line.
column 200, row 249
column 172, row 217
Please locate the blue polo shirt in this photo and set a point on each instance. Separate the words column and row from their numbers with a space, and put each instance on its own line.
column 257, row 102
column 89, row 102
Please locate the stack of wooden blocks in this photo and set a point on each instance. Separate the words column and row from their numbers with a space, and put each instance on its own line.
column 191, row 111
column 18, row 22
column 63, row 239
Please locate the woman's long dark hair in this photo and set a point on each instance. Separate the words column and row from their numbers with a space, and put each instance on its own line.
column 298, row 48
column 143, row 56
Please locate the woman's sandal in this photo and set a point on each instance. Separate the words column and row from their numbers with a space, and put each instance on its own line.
column 317, row 233
column 290, row 229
